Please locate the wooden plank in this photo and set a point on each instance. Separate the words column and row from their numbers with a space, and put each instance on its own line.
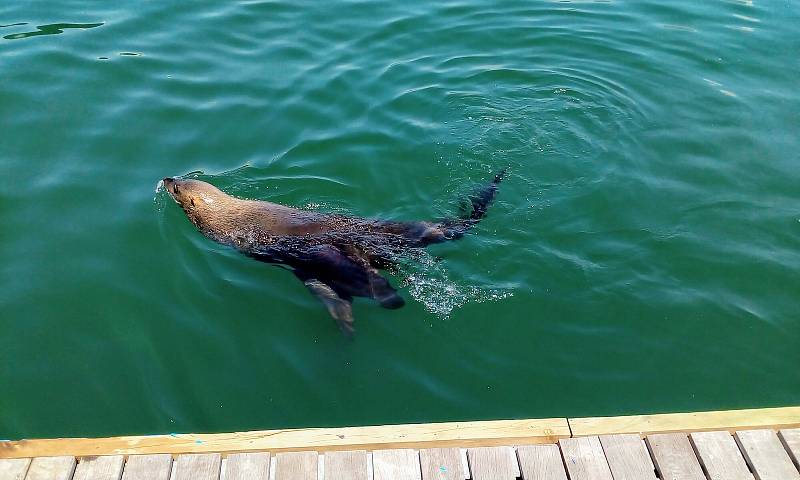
column 198, row 466
column 674, row 457
column 296, row 466
column 346, row 465
column 397, row 464
column 148, row 467
column 541, row 462
column 493, row 463
column 14, row 469
column 766, row 456
column 628, row 457
column 719, row 456
column 791, row 440
column 785, row 417
column 100, row 468
column 247, row 466
column 585, row 459
column 51, row 468
column 430, row 435
column 441, row 464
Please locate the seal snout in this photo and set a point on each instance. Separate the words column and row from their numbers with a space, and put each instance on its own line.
column 170, row 185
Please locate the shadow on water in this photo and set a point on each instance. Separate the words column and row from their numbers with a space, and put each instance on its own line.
column 51, row 29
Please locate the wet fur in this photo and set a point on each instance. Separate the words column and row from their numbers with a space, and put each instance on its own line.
column 337, row 257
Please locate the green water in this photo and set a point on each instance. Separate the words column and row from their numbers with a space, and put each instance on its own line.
column 642, row 255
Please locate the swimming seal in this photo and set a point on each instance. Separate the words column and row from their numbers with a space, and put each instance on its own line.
column 337, row 257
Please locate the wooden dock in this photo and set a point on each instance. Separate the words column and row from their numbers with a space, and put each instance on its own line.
column 761, row 444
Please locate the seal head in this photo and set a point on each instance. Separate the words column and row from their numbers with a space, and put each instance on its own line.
column 194, row 196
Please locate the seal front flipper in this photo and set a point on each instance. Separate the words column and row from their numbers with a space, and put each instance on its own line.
column 347, row 273
column 340, row 309
column 379, row 287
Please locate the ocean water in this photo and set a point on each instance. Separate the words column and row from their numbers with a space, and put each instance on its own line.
column 642, row 255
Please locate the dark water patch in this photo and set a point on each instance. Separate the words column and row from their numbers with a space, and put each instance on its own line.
column 51, row 29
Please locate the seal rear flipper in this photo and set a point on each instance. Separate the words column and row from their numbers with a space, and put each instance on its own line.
column 422, row 234
column 482, row 198
column 340, row 309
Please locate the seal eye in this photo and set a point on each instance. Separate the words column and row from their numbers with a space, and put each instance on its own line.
column 192, row 200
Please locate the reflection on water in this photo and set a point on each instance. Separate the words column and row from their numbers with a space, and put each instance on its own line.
column 51, row 29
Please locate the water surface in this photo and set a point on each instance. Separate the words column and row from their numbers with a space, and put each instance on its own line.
column 642, row 255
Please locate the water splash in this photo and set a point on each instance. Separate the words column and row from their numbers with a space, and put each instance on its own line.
column 160, row 197
column 429, row 283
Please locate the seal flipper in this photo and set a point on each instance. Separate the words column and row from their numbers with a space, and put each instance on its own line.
column 340, row 309
column 346, row 270
column 482, row 198
column 422, row 234
column 350, row 274
column 380, row 288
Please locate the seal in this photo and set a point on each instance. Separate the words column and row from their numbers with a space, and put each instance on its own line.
column 337, row 257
